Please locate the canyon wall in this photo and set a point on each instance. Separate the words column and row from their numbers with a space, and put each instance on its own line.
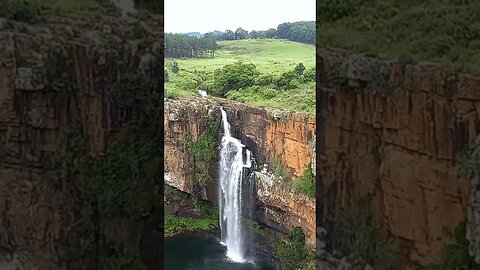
column 392, row 130
column 56, row 79
column 269, row 134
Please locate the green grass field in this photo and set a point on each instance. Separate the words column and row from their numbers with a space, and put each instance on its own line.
column 270, row 56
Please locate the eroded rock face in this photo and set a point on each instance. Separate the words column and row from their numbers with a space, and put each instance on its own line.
column 268, row 134
column 397, row 136
column 55, row 80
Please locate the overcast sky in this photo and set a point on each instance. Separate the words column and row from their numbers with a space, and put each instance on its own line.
column 203, row 16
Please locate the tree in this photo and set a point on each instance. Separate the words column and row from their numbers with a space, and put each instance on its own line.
column 234, row 76
column 180, row 45
column 300, row 68
column 303, row 31
column 253, row 34
column 228, row 35
column 174, row 67
column 282, row 30
column 271, row 33
column 241, row 33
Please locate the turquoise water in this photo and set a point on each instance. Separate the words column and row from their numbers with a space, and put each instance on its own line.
column 199, row 252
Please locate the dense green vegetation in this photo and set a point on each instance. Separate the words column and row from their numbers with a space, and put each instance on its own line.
column 455, row 255
column 303, row 31
column 174, row 224
column 293, row 253
column 444, row 31
column 19, row 10
column 305, row 184
column 202, row 151
column 180, row 46
column 263, row 73
column 297, row 31
column 30, row 10
column 357, row 236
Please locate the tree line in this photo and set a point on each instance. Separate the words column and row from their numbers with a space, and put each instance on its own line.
column 181, row 45
column 303, row 31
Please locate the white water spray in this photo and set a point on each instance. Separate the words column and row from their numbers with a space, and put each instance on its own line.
column 230, row 193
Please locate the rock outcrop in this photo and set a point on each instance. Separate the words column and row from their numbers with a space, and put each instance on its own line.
column 269, row 134
column 393, row 130
column 55, row 82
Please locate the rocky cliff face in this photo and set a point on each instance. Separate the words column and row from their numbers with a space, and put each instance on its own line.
column 269, row 134
column 55, row 83
column 393, row 130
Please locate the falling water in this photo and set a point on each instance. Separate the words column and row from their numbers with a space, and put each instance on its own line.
column 233, row 172
column 203, row 93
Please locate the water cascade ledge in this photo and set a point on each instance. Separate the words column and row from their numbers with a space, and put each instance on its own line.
column 234, row 206
column 267, row 134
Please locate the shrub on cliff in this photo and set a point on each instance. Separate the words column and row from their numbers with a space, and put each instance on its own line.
column 305, row 184
column 455, row 255
column 202, row 151
column 357, row 236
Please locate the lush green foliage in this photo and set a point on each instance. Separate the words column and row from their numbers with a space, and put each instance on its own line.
column 202, row 151
column 299, row 69
column 256, row 227
column 298, row 31
column 165, row 76
column 174, row 67
column 19, row 10
column 292, row 251
column 443, row 31
column 174, row 224
column 180, row 45
column 299, row 100
column 275, row 61
column 306, row 183
column 122, row 182
column 455, row 256
column 357, row 236
column 233, row 77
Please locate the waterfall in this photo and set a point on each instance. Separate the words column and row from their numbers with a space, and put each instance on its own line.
column 235, row 180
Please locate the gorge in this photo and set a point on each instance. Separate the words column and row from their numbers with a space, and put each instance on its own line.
column 265, row 134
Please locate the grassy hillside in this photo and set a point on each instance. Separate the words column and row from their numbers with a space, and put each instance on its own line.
column 270, row 56
column 443, row 31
